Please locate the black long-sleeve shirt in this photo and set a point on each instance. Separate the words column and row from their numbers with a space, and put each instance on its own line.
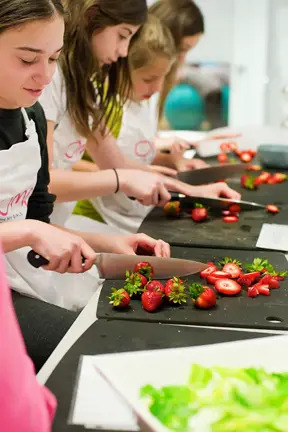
column 12, row 131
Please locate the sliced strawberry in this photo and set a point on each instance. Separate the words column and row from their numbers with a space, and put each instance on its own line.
column 272, row 180
column 211, row 279
column 219, row 274
column 263, row 178
column 279, row 177
column 199, row 214
column 253, row 291
column 264, row 290
column 210, row 264
column 202, row 296
column 208, row 271
column 119, row 298
column 230, row 219
column 227, row 286
column 271, row 208
column 155, row 286
column 245, row 156
column 247, row 279
column 266, row 279
column 279, row 278
column 254, row 168
column 222, row 157
column 274, row 283
column 151, row 300
column 235, row 208
column 233, row 269
column 172, row 208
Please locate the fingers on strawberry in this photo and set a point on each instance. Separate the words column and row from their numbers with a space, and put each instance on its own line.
column 227, row 286
column 119, row 298
column 247, row 279
column 151, row 300
column 230, row 219
column 203, row 297
column 208, row 271
column 199, row 214
column 144, row 268
column 271, row 208
column 155, row 286
column 175, row 291
column 233, row 269
column 172, row 208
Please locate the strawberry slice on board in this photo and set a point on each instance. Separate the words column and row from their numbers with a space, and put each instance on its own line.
column 208, row 271
column 227, row 286
column 230, row 219
column 263, row 289
column 202, row 296
column 271, row 208
column 246, row 156
column 253, row 291
column 233, row 269
column 247, row 279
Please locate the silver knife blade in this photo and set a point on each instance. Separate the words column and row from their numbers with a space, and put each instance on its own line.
column 211, row 174
column 222, row 203
column 114, row 266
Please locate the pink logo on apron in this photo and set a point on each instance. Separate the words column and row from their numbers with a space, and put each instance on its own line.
column 143, row 148
column 21, row 200
column 75, row 150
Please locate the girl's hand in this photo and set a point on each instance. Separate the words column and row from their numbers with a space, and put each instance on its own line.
column 215, row 190
column 183, row 164
column 164, row 170
column 63, row 250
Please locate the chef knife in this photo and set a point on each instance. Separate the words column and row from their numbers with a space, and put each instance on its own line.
column 221, row 203
column 212, row 173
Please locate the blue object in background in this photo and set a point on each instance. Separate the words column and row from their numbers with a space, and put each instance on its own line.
column 225, row 94
column 184, row 108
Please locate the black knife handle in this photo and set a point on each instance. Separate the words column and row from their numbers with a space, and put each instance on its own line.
column 38, row 261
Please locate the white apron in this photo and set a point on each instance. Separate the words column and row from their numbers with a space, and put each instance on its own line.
column 19, row 166
column 136, row 141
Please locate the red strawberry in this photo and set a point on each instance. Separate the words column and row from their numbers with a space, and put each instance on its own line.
column 175, row 291
column 227, row 286
column 247, row 182
column 272, row 180
column 233, row 269
column 199, row 214
column 253, row 291
column 263, row 289
column 262, row 178
column 271, row 208
column 252, row 152
column 144, row 268
column 279, row 278
column 230, row 219
column 221, row 274
column 222, row 157
column 247, row 279
column 234, row 208
column 210, row 264
column 172, row 208
column 232, row 146
column 266, row 279
column 211, row 279
column 279, row 177
column 254, row 168
column 274, row 283
column 151, row 300
column 155, row 286
column 208, row 271
column 119, row 298
column 224, row 147
column 134, row 283
column 202, row 296
column 245, row 156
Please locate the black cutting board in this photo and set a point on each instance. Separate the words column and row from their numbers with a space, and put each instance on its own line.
column 235, row 311
column 183, row 231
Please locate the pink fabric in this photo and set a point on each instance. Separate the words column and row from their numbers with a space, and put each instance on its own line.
column 25, row 405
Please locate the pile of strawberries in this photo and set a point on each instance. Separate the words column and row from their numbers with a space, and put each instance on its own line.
column 153, row 293
column 260, row 277
column 232, row 147
column 253, row 182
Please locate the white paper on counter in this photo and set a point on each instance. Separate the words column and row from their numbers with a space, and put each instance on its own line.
column 273, row 236
column 96, row 404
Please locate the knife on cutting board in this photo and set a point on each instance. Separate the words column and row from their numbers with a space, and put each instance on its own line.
column 221, row 203
column 114, row 266
column 212, row 174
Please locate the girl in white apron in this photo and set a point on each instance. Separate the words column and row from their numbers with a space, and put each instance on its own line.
column 150, row 59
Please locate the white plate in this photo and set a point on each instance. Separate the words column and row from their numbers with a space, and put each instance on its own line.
column 128, row 372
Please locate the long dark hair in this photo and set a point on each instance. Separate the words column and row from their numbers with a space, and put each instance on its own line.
column 17, row 12
column 81, row 71
column 183, row 18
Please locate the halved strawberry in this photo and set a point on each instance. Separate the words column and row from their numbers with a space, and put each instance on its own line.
column 246, row 156
column 222, row 157
column 253, row 291
column 279, row 177
column 227, row 286
column 233, row 269
column 155, row 286
column 172, row 208
column 202, row 296
column 264, row 290
column 266, row 279
column 211, row 279
column 175, row 291
column 208, row 271
column 151, row 300
column 274, row 283
column 230, row 219
column 234, row 208
column 119, row 298
column 271, row 208
column 219, row 274
column 144, row 268
column 247, row 279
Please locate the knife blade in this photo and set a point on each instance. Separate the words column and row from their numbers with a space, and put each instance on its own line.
column 221, row 203
column 114, row 266
column 211, row 174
